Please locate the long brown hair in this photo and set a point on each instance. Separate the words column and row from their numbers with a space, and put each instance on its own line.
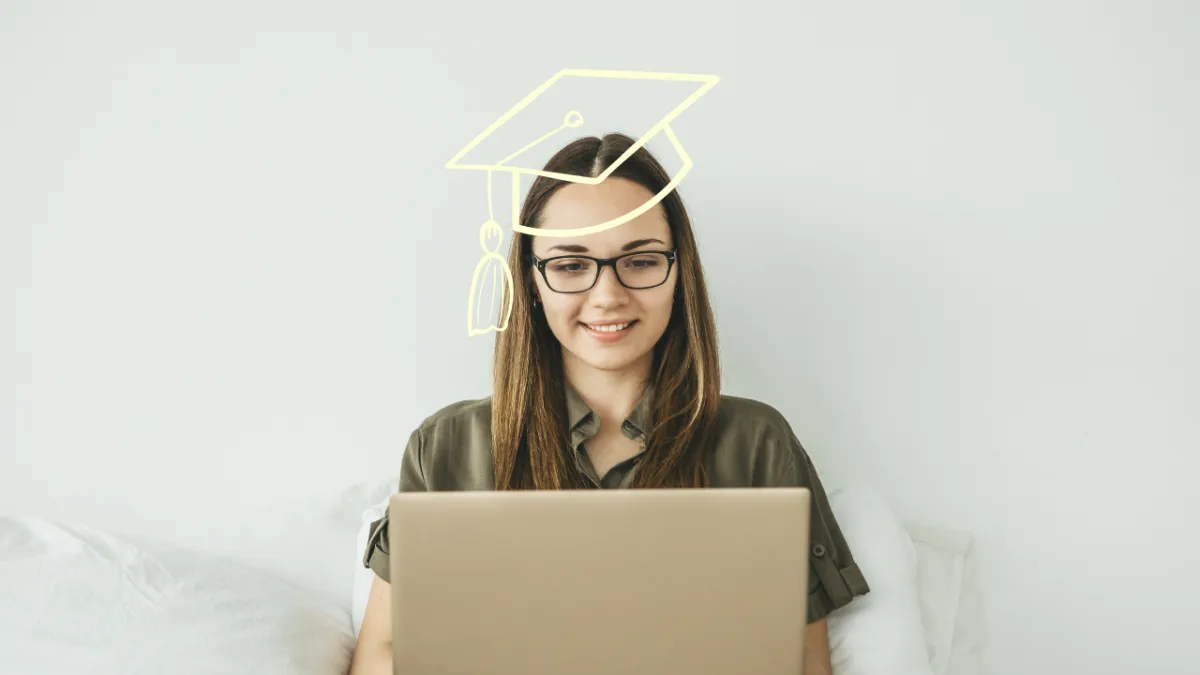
column 530, row 438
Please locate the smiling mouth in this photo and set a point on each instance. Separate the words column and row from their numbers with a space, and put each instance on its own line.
column 610, row 328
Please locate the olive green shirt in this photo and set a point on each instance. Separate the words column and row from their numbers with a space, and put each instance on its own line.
column 754, row 446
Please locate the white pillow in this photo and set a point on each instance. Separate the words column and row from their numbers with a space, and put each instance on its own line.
column 940, row 556
column 302, row 539
column 969, row 650
column 880, row 633
column 951, row 600
column 77, row 600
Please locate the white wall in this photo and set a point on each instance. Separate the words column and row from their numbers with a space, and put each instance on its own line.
column 970, row 234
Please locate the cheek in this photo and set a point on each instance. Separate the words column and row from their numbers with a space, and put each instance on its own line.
column 659, row 305
column 560, row 309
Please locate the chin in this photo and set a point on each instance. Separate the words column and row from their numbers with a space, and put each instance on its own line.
column 609, row 363
column 606, row 359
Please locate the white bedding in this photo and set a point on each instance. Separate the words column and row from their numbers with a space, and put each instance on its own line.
column 80, row 601
column 74, row 600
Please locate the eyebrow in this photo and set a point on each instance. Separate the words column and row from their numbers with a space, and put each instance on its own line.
column 576, row 248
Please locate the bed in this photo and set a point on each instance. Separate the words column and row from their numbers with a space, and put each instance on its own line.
column 76, row 599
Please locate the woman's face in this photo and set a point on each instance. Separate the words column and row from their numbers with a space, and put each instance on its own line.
column 609, row 327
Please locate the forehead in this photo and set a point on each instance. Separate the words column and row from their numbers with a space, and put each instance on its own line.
column 578, row 205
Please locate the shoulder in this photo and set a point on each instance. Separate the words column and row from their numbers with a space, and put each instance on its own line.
column 467, row 412
column 752, row 444
column 748, row 415
column 463, row 423
column 451, row 447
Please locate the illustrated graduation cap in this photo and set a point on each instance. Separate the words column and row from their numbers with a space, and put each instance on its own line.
column 490, row 302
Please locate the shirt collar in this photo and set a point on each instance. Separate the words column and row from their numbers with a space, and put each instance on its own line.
column 577, row 410
column 580, row 415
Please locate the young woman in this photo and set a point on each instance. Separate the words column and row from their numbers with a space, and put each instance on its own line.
column 607, row 377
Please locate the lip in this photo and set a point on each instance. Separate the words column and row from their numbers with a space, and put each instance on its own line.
column 611, row 322
column 600, row 336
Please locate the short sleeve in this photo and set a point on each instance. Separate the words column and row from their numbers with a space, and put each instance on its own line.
column 834, row 578
column 412, row 479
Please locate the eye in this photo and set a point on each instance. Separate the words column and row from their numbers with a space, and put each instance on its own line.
column 648, row 261
column 569, row 266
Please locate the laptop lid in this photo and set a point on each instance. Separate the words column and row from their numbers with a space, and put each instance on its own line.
column 600, row 582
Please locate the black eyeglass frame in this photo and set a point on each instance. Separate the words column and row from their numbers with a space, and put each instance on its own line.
column 601, row 263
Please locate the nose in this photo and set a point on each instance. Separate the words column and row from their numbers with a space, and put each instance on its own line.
column 608, row 291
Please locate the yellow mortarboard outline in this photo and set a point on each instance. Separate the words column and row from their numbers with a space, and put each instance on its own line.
column 572, row 119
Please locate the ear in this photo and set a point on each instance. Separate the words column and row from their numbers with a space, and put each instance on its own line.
column 533, row 285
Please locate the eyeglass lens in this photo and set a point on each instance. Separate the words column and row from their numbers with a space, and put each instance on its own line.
column 573, row 275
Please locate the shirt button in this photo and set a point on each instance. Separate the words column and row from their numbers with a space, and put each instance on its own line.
column 818, row 550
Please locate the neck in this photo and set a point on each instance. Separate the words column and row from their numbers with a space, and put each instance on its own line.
column 611, row 394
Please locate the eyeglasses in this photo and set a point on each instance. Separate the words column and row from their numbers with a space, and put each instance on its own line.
column 578, row 273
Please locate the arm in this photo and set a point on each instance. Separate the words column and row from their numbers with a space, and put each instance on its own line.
column 373, row 653
column 835, row 579
column 816, row 649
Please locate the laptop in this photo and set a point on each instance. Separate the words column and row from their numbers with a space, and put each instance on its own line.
column 600, row 582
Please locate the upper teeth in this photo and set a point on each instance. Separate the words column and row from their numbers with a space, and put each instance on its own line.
column 611, row 328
